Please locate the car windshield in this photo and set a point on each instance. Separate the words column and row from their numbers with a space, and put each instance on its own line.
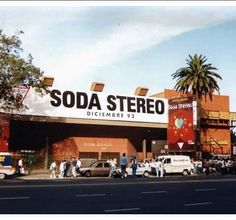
column 93, row 164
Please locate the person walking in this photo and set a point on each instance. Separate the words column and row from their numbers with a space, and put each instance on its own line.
column 113, row 166
column 53, row 168
column 161, row 168
column 67, row 167
column 158, row 165
column 62, row 168
column 21, row 170
column 134, row 166
column 74, row 166
column 123, row 165
column 78, row 165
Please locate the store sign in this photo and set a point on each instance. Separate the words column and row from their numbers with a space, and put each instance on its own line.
column 180, row 128
column 95, row 105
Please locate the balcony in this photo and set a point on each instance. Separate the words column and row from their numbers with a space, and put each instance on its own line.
column 215, row 118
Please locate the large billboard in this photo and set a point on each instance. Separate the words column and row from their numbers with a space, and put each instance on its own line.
column 180, row 131
column 97, row 105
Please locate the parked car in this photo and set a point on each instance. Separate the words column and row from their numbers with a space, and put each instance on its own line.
column 142, row 170
column 231, row 169
column 6, row 168
column 98, row 168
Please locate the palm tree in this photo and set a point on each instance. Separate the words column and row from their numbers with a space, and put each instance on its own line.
column 197, row 78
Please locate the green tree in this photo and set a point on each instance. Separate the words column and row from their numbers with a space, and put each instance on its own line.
column 16, row 71
column 198, row 78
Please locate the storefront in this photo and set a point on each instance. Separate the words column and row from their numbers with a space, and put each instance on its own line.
column 100, row 125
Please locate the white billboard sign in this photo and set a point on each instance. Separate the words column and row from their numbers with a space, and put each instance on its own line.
column 96, row 105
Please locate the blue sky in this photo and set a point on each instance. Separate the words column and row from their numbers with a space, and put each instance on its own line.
column 124, row 45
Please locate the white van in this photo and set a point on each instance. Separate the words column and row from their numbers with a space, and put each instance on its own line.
column 176, row 164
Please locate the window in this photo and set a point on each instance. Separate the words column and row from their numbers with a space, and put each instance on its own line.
column 167, row 160
column 99, row 165
column 107, row 165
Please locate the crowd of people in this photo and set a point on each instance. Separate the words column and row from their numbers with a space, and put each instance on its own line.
column 155, row 166
column 65, row 168
column 71, row 167
column 213, row 166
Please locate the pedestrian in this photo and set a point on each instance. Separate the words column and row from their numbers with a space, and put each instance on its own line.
column 134, row 166
column 153, row 166
column 123, row 165
column 193, row 168
column 21, row 170
column 62, row 168
column 161, row 168
column 113, row 163
column 158, row 166
column 53, row 168
column 74, row 166
column 67, row 167
column 207, row 166
column 78, row 165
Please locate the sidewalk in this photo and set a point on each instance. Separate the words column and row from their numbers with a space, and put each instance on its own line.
column 41, row 174
column 36, row 174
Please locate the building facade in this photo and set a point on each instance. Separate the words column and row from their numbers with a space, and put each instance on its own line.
column 215, row 123
column 98, row 125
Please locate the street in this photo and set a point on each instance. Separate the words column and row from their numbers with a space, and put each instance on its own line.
column 169, row 195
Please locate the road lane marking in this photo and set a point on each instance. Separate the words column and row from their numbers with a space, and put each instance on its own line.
column 14, row 198
column 198, row 204
column 203, row 190
column 153, row 192
column 121, row 210
column 89, row 195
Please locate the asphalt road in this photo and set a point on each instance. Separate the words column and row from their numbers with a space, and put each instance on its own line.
column 169, row 195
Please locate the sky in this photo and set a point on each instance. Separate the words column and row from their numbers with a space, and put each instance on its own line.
column 124, row 44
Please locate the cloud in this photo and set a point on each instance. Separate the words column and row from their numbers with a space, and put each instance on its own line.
column 142, row 31
column 129, row 30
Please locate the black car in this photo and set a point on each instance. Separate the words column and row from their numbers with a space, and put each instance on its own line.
column 229, row 169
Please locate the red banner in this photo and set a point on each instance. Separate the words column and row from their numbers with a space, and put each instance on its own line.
column 4, row 134
column 180, row 129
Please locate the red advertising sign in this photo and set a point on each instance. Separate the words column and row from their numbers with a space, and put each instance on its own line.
column 180, row 129
column 4, row 134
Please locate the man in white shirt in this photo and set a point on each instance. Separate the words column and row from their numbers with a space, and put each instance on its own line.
column 113, row 166
column 53, row 169
column 159, row 168
column 78, row 165
column 21, row 167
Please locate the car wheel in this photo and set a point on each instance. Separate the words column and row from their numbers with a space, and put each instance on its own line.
column 2, row 176
column 88, row 173
column 146, row 174
column 185, row 172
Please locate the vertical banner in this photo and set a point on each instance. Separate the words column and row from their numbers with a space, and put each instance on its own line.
column 180, row 128
column 4, row 134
